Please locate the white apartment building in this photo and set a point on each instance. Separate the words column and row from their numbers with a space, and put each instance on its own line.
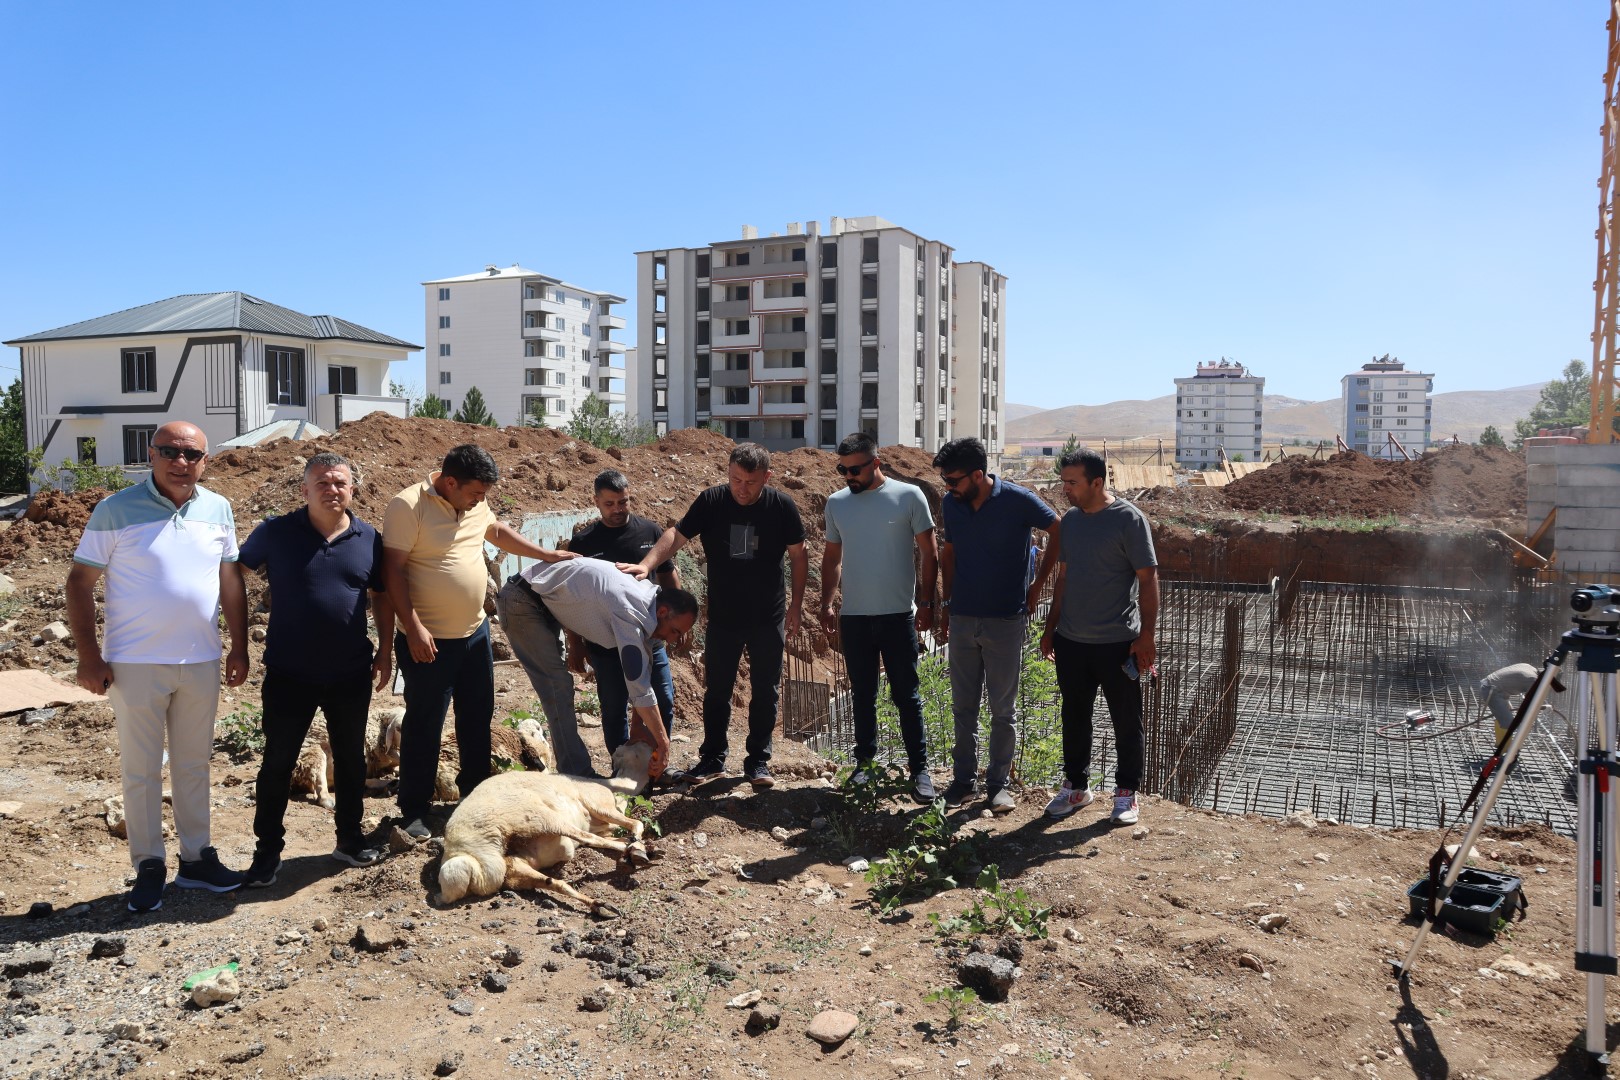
column 533, row 344
column 1218, row 409
column 804, row 337
column 1384, row 400
column 228, row 362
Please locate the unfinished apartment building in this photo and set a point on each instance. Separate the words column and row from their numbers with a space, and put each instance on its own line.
column 800, row 338
column 1218, row 412
column 1387, row 409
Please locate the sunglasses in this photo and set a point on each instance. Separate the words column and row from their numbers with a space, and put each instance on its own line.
column 952, row 481
column 169, row 453
column 855, row 470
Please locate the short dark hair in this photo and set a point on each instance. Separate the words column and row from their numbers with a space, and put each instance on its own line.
column 1089, row 460
column 858, row 443
column 750, row 456
column 678, row 601
column 328, row 460
column 470, row 462
column 965, row 454
column 612, row 480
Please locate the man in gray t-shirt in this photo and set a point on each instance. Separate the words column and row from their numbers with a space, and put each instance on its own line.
column 882, row 521
column 1105, row 606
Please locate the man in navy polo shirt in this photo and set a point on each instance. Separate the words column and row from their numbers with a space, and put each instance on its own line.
column 321, row 561
column 984, row 577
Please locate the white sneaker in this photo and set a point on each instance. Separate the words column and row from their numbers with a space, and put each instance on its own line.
column 1125, row 811
column 924, row 785
column 1068, row 800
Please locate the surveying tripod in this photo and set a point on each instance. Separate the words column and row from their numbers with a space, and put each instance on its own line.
column 1595, row 644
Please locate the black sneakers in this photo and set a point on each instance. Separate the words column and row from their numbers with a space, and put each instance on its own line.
column 357, row 854
column 959, row 792
column 207, row 872
column 261, row 873
column 418, row 829
column 704, row 771
column 760, row 776
column 147, row 892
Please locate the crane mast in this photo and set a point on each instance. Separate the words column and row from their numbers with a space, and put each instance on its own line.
column 1606, row 286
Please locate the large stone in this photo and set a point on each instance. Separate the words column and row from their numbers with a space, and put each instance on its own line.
column 833, row 1026
column 27, row 962
column 989, row 976
column 104, row 947
column 56, row 631
column 6, row 586
column 375, row 936
column 115, row 817
column 220, row 988
column 764, row 1018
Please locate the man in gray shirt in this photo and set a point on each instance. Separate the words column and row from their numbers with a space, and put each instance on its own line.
column 1104, row 609
column 1500, row 687
column 606, row 607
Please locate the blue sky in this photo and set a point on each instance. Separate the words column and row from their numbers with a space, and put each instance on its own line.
column 1296, row 186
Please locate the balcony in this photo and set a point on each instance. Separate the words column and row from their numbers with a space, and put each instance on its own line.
column 550, row 306
column 730, row 309
column 749, row 340
column 786, row 339
column 544, row 333
column 777, row 374
column 734, row 273
column 610, row 346
column 610, row 322
column 334, row 409
column 780, row 303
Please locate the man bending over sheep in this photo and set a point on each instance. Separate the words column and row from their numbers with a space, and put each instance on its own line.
column 608, row 608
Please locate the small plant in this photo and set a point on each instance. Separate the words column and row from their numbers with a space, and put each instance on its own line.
column 241, row 734
column 517, row 716
column 957, row 1001
column 937, row 857
column 642, row 809
column 76, row 475
column 996, row 909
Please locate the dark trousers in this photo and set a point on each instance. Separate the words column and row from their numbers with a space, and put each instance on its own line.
column 289, row 709
column 867, row 639
column 463, row 672
column 615, row 696
column 723, row 648
column 1081, row 669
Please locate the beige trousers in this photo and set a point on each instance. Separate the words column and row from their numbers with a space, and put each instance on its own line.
column 148, row 700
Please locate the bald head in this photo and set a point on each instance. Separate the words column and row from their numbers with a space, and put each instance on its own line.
column 179, row 452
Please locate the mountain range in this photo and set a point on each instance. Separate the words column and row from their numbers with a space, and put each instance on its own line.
column 1463, row 413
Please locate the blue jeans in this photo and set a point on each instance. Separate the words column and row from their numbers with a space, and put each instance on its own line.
column 462, row 672
column 893, row 640
column 615, row 696
column 1081, row 669
column 536, row 638
column 986, row 654
column 723, row 647
column 289, row 709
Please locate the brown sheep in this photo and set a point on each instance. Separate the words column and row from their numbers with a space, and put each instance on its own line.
column 314, row 771
column 517, row 824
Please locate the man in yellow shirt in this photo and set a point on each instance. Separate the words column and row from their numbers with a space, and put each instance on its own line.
column 433, row 564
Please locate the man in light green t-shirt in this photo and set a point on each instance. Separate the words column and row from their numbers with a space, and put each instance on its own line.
column 883, row 521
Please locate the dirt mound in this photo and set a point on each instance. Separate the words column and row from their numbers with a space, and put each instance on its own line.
column 51, row 527
column 69, row 508
column 1470, row 481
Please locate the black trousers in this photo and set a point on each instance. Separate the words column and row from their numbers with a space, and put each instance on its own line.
column 1081, row 669
column 723, row 647
column 289, row 709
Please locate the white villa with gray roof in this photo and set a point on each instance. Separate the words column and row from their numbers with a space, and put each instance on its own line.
column 225, row 361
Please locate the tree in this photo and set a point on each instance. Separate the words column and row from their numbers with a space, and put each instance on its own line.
column 433, row 407
column 473, row 410
column 13, row 440
column 592, row 423
column 1491, row 437
column 1565, row 402
column 411, row 392
column 536, row 416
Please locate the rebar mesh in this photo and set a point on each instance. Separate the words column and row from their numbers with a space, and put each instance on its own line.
column 1288, row 696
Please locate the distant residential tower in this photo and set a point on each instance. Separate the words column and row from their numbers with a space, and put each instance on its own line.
column 1217, row 409
column 1383, row 399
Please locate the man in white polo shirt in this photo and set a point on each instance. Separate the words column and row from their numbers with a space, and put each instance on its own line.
column 167, row 549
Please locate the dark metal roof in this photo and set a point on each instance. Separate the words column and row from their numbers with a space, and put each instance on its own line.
column 196, row 312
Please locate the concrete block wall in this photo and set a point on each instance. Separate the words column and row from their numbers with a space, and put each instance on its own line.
column 1583, row 482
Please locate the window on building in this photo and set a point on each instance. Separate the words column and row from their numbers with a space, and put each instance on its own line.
column 585, row 381
column 829, row 396
column 829, row 257
column 444, row 322
column 739, row 258
column 534, row 376
column 559, row 351
column 138, row 443
column 869, row 396
column 558, row 378
column 530, row 348
column 737, row 292
column 829, row 327
column 140, row 371
column 829, row 432
column 796, row 358
column 869, row 358
column 703, row 333
column 342, row 379
column 796, row 255
column 660, row 398
column 703, row 298
column 869, row 324
column 869, row 250
column 444, row 294
column 796, row 394
column 736, row 395
column 660, row 303
column 703, row 265
column 85, row 445
column 796, row 289
column 444, row 378
column 829, row 360
column 868, row 286
column 284, row 376
column 735, row 327
column 444, row 348
column 797, row 323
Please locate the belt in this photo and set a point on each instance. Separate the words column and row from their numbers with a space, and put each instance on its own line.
column 523, row 583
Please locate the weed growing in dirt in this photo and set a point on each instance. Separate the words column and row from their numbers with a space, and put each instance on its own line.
column 73, row 475
column 809, row 944
column 861, row 800
column 937, row 857
column 996, row 909
column 517, row 716
column 241, row 734
column 641, row 808
column 958, row 1001
column 1351, row 524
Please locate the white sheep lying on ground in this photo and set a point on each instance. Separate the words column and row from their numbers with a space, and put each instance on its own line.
column 517, row 824
column 315, row 773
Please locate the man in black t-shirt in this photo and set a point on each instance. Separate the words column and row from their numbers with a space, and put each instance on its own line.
column 619, row 536
column 746, row 529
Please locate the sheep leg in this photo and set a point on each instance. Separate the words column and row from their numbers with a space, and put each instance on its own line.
column 613, row 817
column 634, row 852
column 521, row 875
column 323, row 778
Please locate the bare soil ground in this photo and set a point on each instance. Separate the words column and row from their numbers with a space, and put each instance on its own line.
column 1156, row 963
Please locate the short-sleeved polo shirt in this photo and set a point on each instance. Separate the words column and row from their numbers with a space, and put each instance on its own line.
column 990, row 549
column 445, row 563
column 161, row 566
column 317, row 595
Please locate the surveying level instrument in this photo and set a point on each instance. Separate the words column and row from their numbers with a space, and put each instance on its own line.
column 1595, row 645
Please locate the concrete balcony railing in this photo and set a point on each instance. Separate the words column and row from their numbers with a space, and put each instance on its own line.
column 544, row 333
column 334, row 409
column 551, row 307
column 786, row 339
column 610, row 322
column 764, row 374
column 731, row 309
column 781, row 303
column 610, row 346
column 734, row 273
